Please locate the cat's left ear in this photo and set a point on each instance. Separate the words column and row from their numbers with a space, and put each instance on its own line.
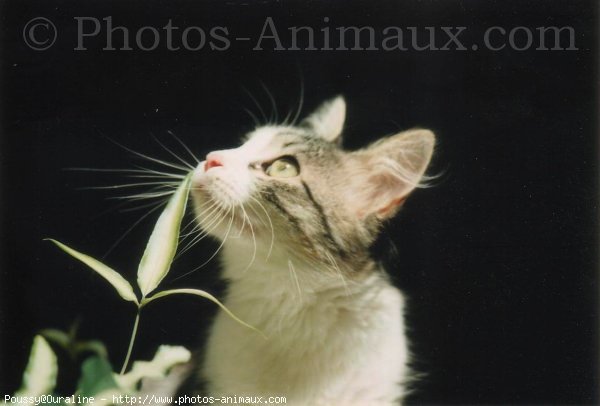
column 328, row 120
column 389, row 170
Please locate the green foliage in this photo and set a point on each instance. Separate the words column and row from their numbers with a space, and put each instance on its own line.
column 162, row 245
column 97, row 376
column 69, row 342
column 113, row 277
column 155, row 263
column 40, row 374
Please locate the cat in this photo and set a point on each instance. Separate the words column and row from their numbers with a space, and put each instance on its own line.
column 296, row 215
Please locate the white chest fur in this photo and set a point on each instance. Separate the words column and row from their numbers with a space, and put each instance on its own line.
column 329, row 343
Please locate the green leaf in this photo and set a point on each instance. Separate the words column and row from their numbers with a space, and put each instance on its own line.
column 162, row 245
column 166, row 357
column 96, row 377
column 70, row 343
column 94, row 346
column 40, row 374
column 58, row 337
column 206, row 295
column 113, row 277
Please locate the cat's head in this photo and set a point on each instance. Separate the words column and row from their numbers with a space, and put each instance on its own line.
column 294, row 190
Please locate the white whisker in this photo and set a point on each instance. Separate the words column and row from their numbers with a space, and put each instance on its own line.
column 253, row 116
column 193, row 222
column 152, row 159
column 295, row 277
column 211, row 211
column 274, row 113
column 202, row 230
column 253, row 238
column 212, row 225
column 258, row 215
column 217, row 250
column 140, row 207
column 272, row 228
column 142, row 196
column 184, row 146
column 300, row 103
column 174, row 154
column 260, row 109
column 243, row 225
column 130, row 185
column 122, row 237
column 147, row 172
column 337, row 269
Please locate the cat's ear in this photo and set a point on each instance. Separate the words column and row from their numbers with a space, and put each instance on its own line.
column 390, row 169
column 328, row 120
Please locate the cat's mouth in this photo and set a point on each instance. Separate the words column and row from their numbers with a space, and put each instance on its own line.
column 216, row 193
column 226, row 204
column 222, row 216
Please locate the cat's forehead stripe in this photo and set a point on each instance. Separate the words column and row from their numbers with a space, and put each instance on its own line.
column 269, row 138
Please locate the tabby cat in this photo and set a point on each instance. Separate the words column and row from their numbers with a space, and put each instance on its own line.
column 296, row 216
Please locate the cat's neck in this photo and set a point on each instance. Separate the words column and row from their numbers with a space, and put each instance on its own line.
column 341, row 342
column 274, row 275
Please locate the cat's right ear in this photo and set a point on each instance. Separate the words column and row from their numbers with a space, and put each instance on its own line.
column 389, row 170
column 328, row 120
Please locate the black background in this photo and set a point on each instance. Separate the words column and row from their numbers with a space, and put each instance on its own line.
column 498, row 259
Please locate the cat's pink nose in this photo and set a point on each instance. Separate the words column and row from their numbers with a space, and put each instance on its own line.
column 212, row 161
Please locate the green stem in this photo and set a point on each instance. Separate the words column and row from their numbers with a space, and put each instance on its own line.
column 131, row 341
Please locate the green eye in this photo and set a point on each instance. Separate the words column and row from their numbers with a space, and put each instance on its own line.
column 283, row 168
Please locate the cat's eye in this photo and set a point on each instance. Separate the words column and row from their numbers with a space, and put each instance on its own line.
column 285, row 167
